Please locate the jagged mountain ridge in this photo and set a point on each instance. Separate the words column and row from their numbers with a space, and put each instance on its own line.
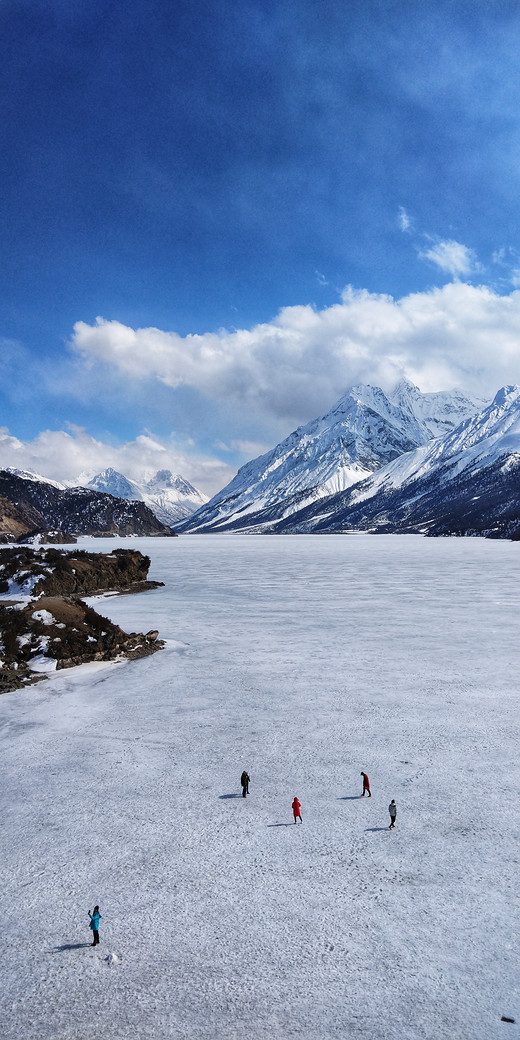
column 29, row 474
column 365, row 430
column 170, row 497
column 76, row 511
column 467, row 482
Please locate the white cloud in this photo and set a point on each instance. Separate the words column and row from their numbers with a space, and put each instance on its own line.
column 248, row 388
column 287, row 371
column 72, row 454
column 248, row 449
column 509, row 260
column 452, row 257
column 405, row 222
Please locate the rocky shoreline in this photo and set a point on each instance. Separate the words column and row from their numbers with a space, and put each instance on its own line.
column 45, row 625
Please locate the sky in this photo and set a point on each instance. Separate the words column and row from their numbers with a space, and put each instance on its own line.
column 217, row 217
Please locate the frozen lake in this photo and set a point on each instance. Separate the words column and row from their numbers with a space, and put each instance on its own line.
column 305, row 660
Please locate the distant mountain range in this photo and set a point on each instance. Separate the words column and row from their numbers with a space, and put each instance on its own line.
column 435, row 463
column 441, row 463
column 31, row 504
column 170, row 498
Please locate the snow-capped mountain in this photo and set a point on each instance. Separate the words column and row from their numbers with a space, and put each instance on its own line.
column 29, row 474
column 171, row 498
column 364, row 431
column 28, row 506
column 467, row 482
column 113, row 483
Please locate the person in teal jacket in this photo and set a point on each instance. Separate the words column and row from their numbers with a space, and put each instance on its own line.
column 94, row 924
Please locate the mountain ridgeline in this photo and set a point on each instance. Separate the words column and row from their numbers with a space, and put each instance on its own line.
column 29, row 506
column 439, row 463
column 436, row 463
column 170, row 497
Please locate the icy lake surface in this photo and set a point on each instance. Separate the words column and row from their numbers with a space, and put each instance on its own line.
column 303, row 660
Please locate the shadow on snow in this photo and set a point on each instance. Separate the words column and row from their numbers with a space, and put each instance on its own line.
column 70, row 946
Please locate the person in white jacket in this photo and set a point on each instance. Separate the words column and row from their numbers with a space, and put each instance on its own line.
column 392, row 809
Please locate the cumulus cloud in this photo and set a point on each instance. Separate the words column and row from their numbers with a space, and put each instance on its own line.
column 237, row 392
column 452, row 257
column 73, row 456
column 291, row 369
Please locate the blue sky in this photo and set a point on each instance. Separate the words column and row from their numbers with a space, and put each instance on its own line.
column 221, row 173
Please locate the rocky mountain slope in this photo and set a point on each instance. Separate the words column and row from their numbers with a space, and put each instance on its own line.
column 42, row 506
column 467, row 482
column 45, row 626
column 363, row 432
column 170, row 498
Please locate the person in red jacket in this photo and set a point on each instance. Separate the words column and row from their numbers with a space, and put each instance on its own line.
column 366, row 785
column 296, row 806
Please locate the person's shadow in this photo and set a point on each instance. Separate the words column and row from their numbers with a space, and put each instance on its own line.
column 349, row 797
column 234, row 795
column 376, row 829
column 70, row 946
column 279, row 824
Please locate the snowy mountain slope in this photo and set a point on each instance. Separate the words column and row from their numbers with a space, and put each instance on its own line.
column 29, row 474
column 467, row 480
column 40, row 506
column 171, row 498
column 365, row 430
column 113, row 483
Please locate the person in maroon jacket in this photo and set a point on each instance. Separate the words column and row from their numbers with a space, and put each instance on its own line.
column 366, row 785
column 296, row 806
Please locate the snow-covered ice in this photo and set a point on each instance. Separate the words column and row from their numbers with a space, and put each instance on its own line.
column 305, row 660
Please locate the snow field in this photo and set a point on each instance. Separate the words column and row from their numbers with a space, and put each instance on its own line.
column 304, row 660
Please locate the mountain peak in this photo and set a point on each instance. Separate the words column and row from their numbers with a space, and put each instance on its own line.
column 403, row 389
column 505, row 395
column 114, row 483
column 364, row 431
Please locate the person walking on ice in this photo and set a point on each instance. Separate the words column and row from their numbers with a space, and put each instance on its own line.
column 94, row 924
column 296, row 806
column 244, row 780
column 392, row 809
column 366, row 785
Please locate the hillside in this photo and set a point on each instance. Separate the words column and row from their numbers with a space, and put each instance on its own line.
column 34, row 505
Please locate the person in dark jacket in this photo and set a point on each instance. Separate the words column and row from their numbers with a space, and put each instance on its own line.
column 94, row 924
column 296, row 807
column 366, row 785
column 244, row 780
column 392, row 809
